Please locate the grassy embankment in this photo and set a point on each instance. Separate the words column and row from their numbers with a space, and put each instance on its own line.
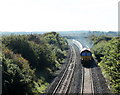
column 30, row 61
column 107, row 52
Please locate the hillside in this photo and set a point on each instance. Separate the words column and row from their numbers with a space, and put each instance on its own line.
column 107, row 51
column 30, row 61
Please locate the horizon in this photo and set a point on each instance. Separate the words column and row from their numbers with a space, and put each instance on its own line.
column 58, row 31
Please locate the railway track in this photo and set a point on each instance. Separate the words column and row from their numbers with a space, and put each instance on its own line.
column 87, row 82
column 76, row 78
column 64, row 82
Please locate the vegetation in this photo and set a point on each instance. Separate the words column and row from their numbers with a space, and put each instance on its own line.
column 30, row 61
column 107, row 50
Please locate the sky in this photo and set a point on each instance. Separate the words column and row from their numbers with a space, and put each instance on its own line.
column 58, row 15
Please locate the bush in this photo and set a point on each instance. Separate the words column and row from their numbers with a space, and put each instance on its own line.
column 107, row 51
column 30, row 61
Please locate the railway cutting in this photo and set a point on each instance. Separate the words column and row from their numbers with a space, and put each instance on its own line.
column 79, row 78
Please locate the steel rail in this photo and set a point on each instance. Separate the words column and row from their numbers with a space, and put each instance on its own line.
column 83, row 81
column 56, row 88
column 91, row 82
column 69, row 76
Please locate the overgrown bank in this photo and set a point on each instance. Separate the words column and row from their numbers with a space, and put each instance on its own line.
column 30, row 61
column 107, row 51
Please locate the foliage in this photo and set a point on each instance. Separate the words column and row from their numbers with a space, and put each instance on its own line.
column 109, row 53
column 29, row 61
column 17, row 74
column 100, row 43
column 97, row 39
column 111, row 64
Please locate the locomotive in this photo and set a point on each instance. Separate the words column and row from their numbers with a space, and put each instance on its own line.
column 85, row 52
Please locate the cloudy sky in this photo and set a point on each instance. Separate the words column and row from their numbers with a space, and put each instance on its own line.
column 58, row 15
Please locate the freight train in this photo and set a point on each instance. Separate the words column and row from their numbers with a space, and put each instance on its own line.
column 85, row 52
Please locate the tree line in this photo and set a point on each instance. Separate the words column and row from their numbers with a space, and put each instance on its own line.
column 107, row 51
column 30, row 61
